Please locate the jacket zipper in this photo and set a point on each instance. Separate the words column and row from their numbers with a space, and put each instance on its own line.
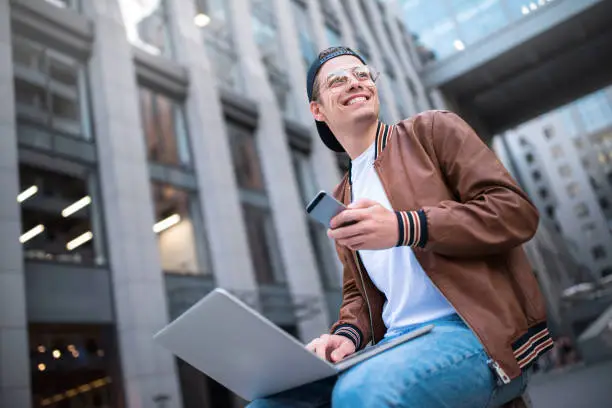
column 365, row 292
column 494, row 364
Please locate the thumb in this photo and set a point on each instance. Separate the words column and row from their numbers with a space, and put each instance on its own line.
column 345, row 348
column 362, row 203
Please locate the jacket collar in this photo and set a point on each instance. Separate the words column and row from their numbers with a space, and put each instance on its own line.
column 383, row 134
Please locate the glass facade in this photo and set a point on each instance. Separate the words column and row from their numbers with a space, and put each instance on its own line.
column 333, row 36
column 147, row 25
column 50, row 89
column 304, row 31
column 324, row 255
column 74, row 366
column 267, row 38
column 263, row 242
column 64, row 3
column 163, row 122
column 442, row 28
column 214, row 19
column 60, row 216
column 179, row 230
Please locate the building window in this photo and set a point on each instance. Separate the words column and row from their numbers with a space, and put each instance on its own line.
column 318, row 234
column 399, row 101
column 565, row 170
column 579, row 143
column 549, row 132
column 304, row 30
column 604, row 203
column 598, row 252
column 537, row 176
column 581, row 210
column 556, row 151
column 572, row 189
column 179, row 229
column 214, row 19
column 147, row 25
column 529, row 157
column 268, row 40
column 50, row 89
column 64, row 3
column 263, row 244
column 543, row 193
column 550, row 211
column 334, row 38
column 163, row 121
column 59, row 216
column 602, row 157
column 74, row 365
column 586, row 163
column 261, row 234
column 596, row 111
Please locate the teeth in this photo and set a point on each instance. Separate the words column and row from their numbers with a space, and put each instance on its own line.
column 358, row 99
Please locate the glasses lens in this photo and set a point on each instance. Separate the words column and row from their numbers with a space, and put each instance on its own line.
column 337, row 78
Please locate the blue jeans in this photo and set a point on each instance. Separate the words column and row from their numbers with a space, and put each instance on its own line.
column 444, row 368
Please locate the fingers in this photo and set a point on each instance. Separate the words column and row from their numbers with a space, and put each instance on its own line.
column 346, row 348
column 330, row 347
column 312, row 346
column 346, row 232
column 347, row 217
column 322, row 345
column 362, row 203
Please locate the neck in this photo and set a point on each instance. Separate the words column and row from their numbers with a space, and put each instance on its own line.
column 357, row 137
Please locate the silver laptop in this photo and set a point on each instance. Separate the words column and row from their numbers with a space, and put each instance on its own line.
column 236, row 346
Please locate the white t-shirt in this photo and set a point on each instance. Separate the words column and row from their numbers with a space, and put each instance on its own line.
column 411, row 296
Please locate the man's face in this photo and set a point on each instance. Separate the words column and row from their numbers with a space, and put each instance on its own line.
column 345, row 92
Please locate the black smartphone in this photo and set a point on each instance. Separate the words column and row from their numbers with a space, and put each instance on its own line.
column 324, row 207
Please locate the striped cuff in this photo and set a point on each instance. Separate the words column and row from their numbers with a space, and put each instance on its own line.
column 351, row 332
column 412, row 228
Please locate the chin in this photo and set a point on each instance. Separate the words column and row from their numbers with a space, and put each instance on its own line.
column 366, row 115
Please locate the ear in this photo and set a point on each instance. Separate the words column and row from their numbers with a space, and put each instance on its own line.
column 317, row 111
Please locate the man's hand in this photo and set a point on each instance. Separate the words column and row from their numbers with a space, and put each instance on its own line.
column 331, row 347
column 374, row 226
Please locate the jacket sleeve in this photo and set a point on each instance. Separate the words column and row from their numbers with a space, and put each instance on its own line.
column 351, row 323
column 491, row 214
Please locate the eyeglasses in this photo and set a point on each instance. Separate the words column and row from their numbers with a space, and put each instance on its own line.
column 339, row 78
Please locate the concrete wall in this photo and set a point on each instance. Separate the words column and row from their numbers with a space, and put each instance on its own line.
column 14, row 353
column 140, row 299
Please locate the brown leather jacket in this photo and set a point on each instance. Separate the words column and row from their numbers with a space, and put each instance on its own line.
column 466, row 219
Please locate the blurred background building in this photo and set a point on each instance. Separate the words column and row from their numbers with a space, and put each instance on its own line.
column 152, row 150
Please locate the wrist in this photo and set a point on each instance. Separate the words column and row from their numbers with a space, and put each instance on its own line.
column 351, row 332
column 412, row 226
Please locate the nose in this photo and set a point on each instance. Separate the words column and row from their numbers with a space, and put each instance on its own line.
column 354, row 83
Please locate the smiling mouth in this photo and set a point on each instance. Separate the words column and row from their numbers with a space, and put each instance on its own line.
column 355, row 100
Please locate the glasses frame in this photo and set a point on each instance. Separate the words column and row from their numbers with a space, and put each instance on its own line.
column 348, row 72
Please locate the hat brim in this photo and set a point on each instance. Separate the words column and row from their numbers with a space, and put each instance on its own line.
column 328, row 137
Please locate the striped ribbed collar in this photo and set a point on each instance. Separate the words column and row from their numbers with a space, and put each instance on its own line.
column 383, row 134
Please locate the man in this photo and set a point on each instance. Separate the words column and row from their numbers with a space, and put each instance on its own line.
column 436, row 235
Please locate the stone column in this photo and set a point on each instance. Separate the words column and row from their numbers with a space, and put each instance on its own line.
column 217, row 187
column 14, row 355
column 283, row 194
column 140, row 299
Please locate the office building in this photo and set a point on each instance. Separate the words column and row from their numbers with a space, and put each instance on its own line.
column 150, row 151
column 562, row 159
